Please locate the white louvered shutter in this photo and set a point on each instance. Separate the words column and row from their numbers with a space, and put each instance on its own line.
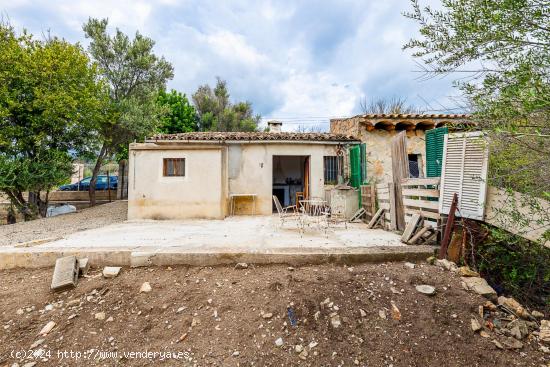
column 464, row 172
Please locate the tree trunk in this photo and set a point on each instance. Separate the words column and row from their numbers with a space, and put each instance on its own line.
column 95, row 173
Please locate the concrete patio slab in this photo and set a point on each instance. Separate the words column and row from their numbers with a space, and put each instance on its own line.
column 256, row 239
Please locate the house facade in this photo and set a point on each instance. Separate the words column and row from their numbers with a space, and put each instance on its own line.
column 207, row 174
column 375, row 131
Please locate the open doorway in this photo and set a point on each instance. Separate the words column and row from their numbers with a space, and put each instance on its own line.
column 290, row 178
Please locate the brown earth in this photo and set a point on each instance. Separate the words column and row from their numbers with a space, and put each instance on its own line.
column 63, row 225
column 224, row 319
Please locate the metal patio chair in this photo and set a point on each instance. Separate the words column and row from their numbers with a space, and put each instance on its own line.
column 288, row 212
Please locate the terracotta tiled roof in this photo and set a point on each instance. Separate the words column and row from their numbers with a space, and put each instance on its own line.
column 415, row 116
column 252, row 136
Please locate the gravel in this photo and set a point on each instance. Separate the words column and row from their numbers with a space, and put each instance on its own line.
column 63, row 225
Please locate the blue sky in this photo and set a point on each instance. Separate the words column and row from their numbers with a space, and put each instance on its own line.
column 299, row 61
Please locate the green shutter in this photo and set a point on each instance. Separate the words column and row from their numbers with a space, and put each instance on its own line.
column 434, row 151
column 355, row 165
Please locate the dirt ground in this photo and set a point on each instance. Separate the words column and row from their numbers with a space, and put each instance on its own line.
column 63, row 225
column 234, row 317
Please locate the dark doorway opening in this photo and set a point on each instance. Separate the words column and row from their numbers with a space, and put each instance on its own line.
column 290, row 178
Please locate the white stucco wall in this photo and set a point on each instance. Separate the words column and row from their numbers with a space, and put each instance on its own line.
column 212, row 173
column 197, row 195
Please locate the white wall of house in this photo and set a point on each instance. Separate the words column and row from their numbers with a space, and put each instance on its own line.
column 213, row 171
column 199, row 194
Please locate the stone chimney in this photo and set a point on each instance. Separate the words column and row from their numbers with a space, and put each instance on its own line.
column 274, row 126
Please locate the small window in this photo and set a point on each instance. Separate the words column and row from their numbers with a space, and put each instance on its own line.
column 332, row 169
column 414, row 168
column 174, row 167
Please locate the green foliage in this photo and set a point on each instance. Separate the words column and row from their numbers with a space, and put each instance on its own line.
column 50, row 99
column 134, row 75
column 501, row 50
column 181, row 116
column 217, row 113
column 516, row 266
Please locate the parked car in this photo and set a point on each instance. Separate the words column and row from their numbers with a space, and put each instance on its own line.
column 84, row 184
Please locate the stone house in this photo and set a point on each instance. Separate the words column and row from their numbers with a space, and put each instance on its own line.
column 375, row 132
column 203, row 174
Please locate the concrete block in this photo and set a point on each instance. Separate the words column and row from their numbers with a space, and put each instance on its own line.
column 65, row 274
column 138, row 259
column 83, row 266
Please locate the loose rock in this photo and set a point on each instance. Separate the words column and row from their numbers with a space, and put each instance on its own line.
column 100, row 316
column 544, row 332
column 480, row 286
column 537, row 314
column 476, row 326
column 445, row 264
column 465, row 271
column 362, row 312
column 335, row 321
column 241, row 266
column 426, row 289
column 410, row 265
column 395, row 313
column 111, row 271
column 267, row 315
column 145, row 288
column 279, row 342
column 47, row 328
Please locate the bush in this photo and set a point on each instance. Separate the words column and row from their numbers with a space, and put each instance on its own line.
column 515, row 266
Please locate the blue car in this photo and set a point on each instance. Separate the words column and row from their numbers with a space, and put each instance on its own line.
column 84, row 184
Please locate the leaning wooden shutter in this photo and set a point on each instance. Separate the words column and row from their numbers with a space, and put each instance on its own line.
column 363, row 161
column 464, row 172
column 434, row 151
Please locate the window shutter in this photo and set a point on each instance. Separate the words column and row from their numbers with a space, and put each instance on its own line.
column 465, row 159
column 434, row 151
column 355, row 165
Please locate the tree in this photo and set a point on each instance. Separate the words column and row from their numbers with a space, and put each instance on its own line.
column 50, row 98
column 134, row 75
column 501, row 51
column 181, row 116
column 217, row 113
column 387, row 106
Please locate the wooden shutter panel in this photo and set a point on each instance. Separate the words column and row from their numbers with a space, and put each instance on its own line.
column 355, row 166
column 465, row 159
column 435, row 139
column 363, row 160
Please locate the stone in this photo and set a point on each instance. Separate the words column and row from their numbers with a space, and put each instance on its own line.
column 313, row 344
column 29, row 364
column 37, row 343
column 382, row 314
column 484, row 334
column 514, row 306
column 47, row 328
column 537, row 314
column 145, row 288
column 476, row 326
column 425, row 289
column 544, row 332
column 20, row 311
column 236, row 353
column 72, row 316
column 512, row 343
column 303, row 355
column 335, row 321
column 267, row 315
column 498, row 344
column 409, row 265
column 83, row 266
column 241, row 266
column 431, row 260
column 479, row 286
column 180, row 310
column 110, row 319
column 111, row 271
column 465, row 271
column 518, row 329
column 279, row 342
column 395, row 313
column 73, row 302
column 490, row 306
column 100, row 316
column 362, row 312
column 48, row 308
column 445, row 264
column 298, row 348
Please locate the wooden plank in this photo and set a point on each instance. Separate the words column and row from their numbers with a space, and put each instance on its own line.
column 421, row 204
column 375, row 218
column 393, row 220
column 424, row 213
column 420, row 181
column 65, row 273
column 411, row 227
column 418, row 235
column 448, row 228
column 400, row 170
column 421, row 192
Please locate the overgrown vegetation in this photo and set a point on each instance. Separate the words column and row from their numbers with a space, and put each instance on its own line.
column 515, row 266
